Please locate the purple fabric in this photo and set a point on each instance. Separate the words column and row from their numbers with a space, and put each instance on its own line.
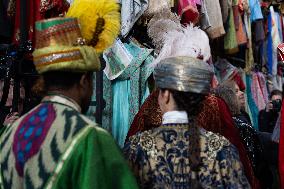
column 31, row 133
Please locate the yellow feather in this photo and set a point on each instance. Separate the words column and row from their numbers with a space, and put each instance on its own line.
column 88, row 12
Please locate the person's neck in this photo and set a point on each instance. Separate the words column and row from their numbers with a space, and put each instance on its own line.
column 65, row 93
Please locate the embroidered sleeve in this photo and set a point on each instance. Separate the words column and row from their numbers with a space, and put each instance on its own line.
column 137, row 156
column 231, row 169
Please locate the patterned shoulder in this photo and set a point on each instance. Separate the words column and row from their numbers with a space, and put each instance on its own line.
column 91, row 123
column 144, row 141
column 215, row 143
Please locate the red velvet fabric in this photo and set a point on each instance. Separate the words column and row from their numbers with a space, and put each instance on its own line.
column 148, row 117
column 37, row 10
column 281, row 149
column 188, row 12
column 237, row 78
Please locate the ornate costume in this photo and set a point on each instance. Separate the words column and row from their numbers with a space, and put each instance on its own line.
column 54, row 145
column 161, row 157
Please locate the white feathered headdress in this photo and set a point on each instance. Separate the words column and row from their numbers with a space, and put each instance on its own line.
column 161, row 24
column 173, row 39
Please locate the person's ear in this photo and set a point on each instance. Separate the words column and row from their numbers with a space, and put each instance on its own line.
column 85, row 81
column 166, row 95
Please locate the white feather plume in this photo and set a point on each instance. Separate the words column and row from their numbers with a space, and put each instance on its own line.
column 189, row 41
column 161, row 23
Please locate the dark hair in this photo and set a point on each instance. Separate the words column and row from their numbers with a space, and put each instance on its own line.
column 275, row 92
column 62, row 80
column 189, row 102
column 192, row 103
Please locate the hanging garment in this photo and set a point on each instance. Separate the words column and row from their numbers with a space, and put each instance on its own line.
column 251, row 103
column 277, row 81
column 259, row 37
column 225, row 71
column 240, row 30
column 263, row 86
column 188, row 12
column 52, row 8
column 257, row 92
column 131, row 11
column 55, row 146
column 132, row 83
column 279, row 24
column 225, row 9
column 155, row 6
column 169, row 153
column 5, row 20
column 107, row 110
column 36, row 10
column 204, row 17
column 249, row 50
column 148, row 117
column 230, row 39
column 273, row 41
column 255, row 10
column 215, row 19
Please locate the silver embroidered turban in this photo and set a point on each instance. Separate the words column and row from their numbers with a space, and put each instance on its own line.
column 184, row 74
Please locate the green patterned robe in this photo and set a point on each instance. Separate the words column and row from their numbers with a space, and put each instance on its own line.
column 54, row 146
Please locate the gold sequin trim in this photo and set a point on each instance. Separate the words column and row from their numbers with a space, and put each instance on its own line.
column 57, row 57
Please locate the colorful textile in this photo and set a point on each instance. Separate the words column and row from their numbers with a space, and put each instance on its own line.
column 28, row 139
column 273, row 41
column 240, row 29
column 54, row 146
column 36, row 10
column 257, row 92
column 251, row 103
column 262, row 83
column 255, row 10
column 148, row 117
column 130, row 13
column 188, row 12
column 225, row 71
column 56, row 49
column 230, row 39
column 160, row 159
column 249, row 51
column 53, row 5
column 215, row 19
column 133, row 84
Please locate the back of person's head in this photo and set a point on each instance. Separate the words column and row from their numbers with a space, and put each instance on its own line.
column 229, row 84
column 61, row 80
column 188, row 81
column 189, row 102
column 58, row 80
column 227, row 93
column 275, row 92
